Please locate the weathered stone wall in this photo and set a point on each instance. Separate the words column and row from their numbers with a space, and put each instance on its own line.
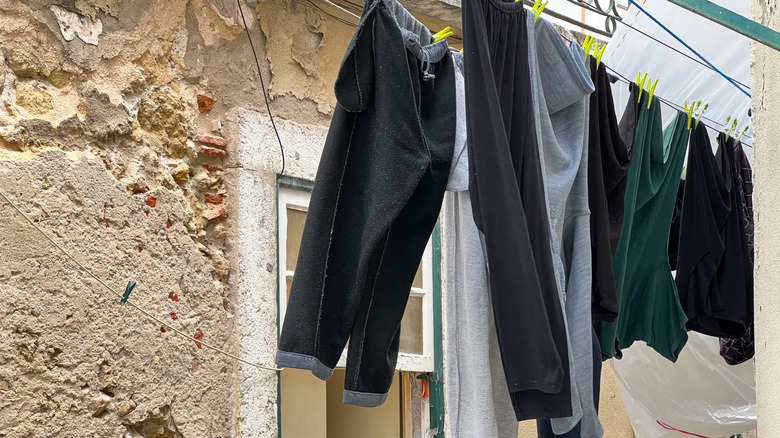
column 119, row 133
column 766, row 162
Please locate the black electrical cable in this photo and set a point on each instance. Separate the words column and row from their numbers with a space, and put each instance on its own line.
column 262, row 84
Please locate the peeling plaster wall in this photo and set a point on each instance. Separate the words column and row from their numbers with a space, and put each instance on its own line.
column 88, row 132
column 766, row 197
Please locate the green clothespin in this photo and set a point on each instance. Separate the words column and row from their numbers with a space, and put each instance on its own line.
column 744, row 131
column 128, row 289
column 726, row 126
column 698, row 118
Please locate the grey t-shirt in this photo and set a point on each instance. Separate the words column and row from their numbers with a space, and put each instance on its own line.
column 561, row 90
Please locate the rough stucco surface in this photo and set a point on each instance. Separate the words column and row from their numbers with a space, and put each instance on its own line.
column 74, row 362
column 258, row 260
column 84, row 127
column 766, row 162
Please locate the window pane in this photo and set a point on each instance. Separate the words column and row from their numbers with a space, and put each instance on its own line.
column 289, row 288
column 295, row 221
column 412, row 327
column 418, row 278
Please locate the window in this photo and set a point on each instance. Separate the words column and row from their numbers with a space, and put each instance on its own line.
column 416, row 349
column 312, row 408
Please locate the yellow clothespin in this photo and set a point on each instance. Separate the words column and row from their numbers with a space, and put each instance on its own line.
column 445, row 30
column 461, row 50
column 601, row 53
column 595, row 48
column 586, row 45
column 442, row 34
column 652, row 91
column 689, row 113
column 540, row 9
column 641, row 84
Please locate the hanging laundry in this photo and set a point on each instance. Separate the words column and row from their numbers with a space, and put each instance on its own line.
column 649, row 308
column 393, row 132
column 509, row 207
column 608, row 164
column 739, row 350
column 714, row 271
column 674, row 232
column 561, row 86
column 478, row 403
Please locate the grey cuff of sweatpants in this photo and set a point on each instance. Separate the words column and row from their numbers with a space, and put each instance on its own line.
column 286, row 359
column 364, row 399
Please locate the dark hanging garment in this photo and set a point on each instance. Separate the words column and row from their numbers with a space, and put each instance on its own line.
column 608, row 164
column 650, row 308
column 739, row 350
column 376, row 199
column 674, row 233
column 509, row 207
column 714, row 270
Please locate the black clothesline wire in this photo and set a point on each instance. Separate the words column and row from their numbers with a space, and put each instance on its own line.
column 615, row 72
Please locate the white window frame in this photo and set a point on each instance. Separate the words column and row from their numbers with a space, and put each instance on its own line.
column 299, row 200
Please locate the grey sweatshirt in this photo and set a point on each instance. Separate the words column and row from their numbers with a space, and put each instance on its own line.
column 561, row 90
column 477, row 396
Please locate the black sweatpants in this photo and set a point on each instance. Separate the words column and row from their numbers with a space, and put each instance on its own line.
column 376, row 199
column 510, row 209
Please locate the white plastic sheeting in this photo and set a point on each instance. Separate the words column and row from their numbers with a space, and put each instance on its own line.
column 699, row 394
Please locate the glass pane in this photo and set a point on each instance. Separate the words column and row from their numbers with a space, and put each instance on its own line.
column 295, row 221
column 418, row 278
column 412, row 327
column 289, row 288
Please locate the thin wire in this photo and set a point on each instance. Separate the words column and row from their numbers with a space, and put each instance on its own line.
column 698, row 61
column 262, row 84
column 342, row 8
column 689, row 47
column 678, row 107
column 119, row 295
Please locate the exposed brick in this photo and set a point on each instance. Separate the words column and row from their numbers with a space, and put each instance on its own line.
column 214, row 141
column 212, row 168
column 205, row 103
column 215, row 212
column 215, row 198
column 212, row 152
column 151, row 201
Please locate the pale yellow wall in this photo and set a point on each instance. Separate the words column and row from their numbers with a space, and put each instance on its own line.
column 345, row 421
column 304, row 408
column 766, row 197
column 612, row 413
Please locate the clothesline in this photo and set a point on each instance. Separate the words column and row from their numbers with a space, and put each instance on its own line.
column 139, row 309
column 698, row 61
column 621, row 77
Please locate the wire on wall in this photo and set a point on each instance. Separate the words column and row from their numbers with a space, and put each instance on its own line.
column 262, row 84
